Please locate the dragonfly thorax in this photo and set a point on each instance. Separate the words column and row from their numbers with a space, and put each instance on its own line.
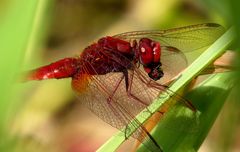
column 111, row 54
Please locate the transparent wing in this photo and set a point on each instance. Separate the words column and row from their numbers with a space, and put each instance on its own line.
column 107, row 97
column 173, row 62
column 186, row 39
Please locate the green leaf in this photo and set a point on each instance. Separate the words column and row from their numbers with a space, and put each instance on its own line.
column 214, row 51
column 20, row 21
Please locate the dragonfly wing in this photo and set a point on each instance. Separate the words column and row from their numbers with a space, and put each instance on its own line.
column 186, row 39
column 173, row 62
column 106, row 96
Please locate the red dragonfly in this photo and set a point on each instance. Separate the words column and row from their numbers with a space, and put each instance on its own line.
column 118, row 76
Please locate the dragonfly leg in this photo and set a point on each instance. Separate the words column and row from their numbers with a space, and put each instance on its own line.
column 114, row 91
column 129, row 92
column 144, row 132
column 128, row 83
column 172, row 94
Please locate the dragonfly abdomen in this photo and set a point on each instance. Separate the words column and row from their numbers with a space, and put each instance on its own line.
column 64, row 68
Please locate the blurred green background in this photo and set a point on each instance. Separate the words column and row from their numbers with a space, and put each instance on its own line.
column 44, row 116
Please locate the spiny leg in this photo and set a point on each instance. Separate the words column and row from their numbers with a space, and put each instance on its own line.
column 114, row 91
column 129, row 87
column 171, row 94
column 129, row 92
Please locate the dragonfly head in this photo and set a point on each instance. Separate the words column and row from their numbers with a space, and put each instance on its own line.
column 149, row 57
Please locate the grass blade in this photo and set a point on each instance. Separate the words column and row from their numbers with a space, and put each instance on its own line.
column 18, row 29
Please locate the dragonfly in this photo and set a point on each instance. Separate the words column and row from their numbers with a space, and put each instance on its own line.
column 118, row 76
